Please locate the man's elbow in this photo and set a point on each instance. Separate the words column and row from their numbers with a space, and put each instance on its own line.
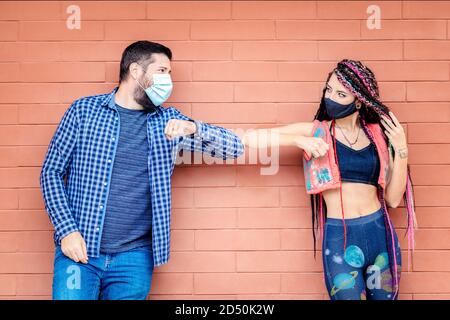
column 232, row 149
column 240, row 148
column 42, row 177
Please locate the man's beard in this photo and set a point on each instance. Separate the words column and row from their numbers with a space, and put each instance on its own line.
column 142, row 99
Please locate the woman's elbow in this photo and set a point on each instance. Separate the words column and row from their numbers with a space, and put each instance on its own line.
column 393, row 202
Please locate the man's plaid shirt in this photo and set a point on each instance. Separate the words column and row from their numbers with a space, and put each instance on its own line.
column 83, row 149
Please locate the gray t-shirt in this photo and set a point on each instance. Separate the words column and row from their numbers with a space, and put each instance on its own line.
column 128, row 216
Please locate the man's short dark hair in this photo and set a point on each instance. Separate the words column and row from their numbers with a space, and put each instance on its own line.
column 139, row 52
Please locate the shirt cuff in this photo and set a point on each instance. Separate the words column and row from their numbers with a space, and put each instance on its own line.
column 198, row 125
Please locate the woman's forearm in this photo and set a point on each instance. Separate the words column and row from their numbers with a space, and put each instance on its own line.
column 263, row 138
column 397, row 185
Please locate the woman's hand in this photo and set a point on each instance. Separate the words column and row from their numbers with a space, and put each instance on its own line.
column 394, row 131
column 398, row 169
column 264, row 138
column 316, row 147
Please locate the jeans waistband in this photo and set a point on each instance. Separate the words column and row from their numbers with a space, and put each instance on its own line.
column 355, row 221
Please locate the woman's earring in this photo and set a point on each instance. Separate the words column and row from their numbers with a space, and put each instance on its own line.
column 358, row 106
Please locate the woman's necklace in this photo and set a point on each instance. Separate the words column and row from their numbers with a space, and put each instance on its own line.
column 351, row 144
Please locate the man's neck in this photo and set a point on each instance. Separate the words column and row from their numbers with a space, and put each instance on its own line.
column 124, row 98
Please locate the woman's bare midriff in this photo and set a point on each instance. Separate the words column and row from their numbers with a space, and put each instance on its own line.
column 359, row 200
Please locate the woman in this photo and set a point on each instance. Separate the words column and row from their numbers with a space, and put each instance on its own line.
column 355, row 165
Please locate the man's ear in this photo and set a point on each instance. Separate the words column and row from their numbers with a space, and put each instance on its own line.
column 133, row 69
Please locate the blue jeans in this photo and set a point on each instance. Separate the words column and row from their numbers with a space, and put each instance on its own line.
column 117, row 276
column 363, row 270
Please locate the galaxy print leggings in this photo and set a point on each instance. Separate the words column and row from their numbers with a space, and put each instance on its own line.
column 362, row 272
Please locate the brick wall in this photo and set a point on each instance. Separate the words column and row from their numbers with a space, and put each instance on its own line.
column 236, row 234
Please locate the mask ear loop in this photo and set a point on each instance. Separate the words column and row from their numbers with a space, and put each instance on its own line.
column 139, row 83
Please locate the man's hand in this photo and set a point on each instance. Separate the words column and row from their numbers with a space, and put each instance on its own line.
column 74, row 247
column 176, row 127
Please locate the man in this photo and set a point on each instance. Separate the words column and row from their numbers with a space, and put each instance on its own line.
column 118, row 151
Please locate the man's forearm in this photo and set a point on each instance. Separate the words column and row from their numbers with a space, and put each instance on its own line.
column 56, row 203
column 214, row 140
column 209, row 137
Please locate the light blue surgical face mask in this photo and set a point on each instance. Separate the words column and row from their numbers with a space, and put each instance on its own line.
column 161, row 88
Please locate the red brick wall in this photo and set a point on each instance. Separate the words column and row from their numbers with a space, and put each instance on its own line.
column 236, row 234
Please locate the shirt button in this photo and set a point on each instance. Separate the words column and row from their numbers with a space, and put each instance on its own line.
column 101, row 207
column 109, row 160
column 113, row 139
column 105, row 183
column 98, row 229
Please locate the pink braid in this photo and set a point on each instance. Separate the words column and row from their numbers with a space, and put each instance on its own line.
column 360, row 97
column 412, row 222
column 321, row 215
column 362, row 78
column 381, row 198
column 395, row 275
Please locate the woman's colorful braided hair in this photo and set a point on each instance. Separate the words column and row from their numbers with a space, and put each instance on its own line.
column 361, row 82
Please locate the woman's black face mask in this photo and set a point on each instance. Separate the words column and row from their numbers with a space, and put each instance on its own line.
column 336, row 110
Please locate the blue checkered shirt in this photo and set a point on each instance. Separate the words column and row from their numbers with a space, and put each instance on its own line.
column 82, row 150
